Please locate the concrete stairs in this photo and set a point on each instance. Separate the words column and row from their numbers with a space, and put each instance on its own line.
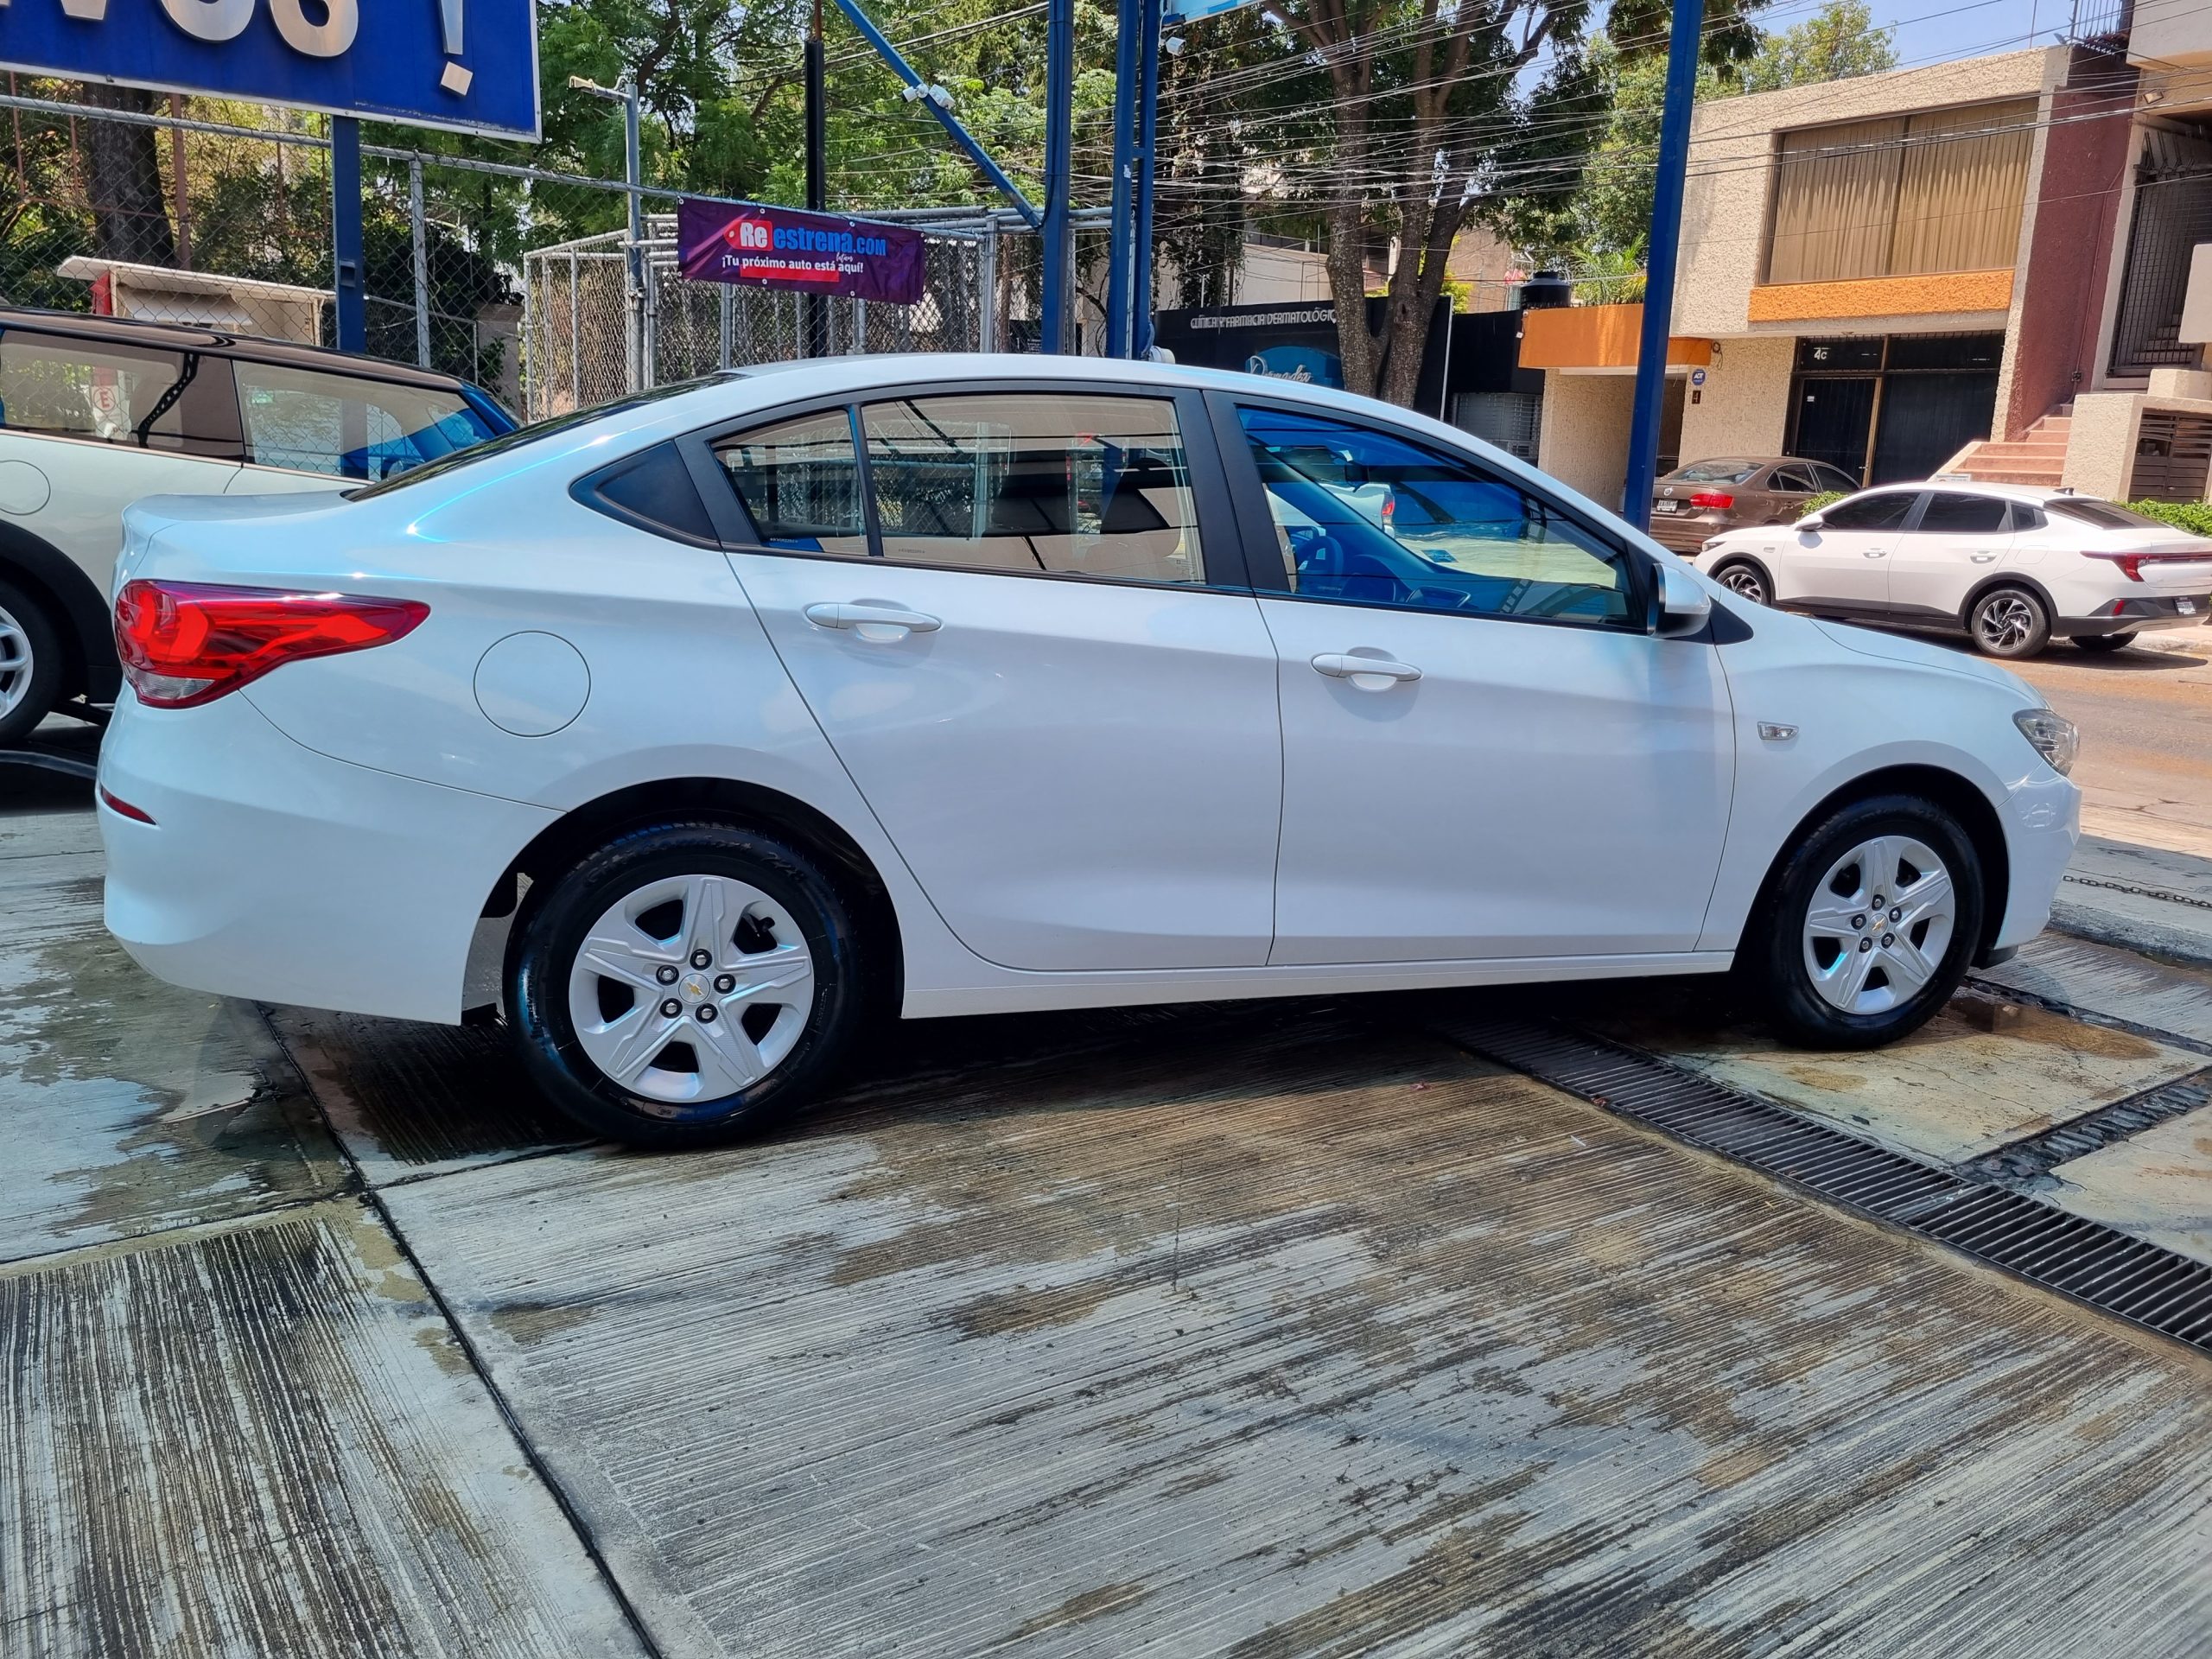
column 2037, row 457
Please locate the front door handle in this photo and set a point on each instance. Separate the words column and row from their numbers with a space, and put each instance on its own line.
column 1344, row 665
column 865, row 620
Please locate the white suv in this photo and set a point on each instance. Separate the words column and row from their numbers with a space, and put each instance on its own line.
column 97, row 412
column 2008, row 565
column 970, row 684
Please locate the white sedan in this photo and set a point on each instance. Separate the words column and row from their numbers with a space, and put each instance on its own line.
column 951, row 685
column 2005, row 564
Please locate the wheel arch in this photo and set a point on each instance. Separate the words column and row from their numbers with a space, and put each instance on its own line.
column 1949, row 789
column 75, row 603
column 2001, row 578
column 561, row 843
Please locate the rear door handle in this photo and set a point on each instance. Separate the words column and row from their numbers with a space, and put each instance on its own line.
column 863, row 618
column 1342, row 665
column 1877, row 552
column 1984, row 558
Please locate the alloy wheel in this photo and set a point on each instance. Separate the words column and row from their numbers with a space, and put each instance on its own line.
column 1741, row 579
column 2005, row 623
column 1879, row 925
column 690, row 989
column 15, row 664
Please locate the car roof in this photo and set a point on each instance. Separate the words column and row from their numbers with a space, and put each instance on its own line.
column 2035, row 493
column 135, row 331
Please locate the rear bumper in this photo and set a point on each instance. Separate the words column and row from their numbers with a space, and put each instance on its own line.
column 1685, row 532
column 274, row 872
column 2151, row 611
column 2043, row 820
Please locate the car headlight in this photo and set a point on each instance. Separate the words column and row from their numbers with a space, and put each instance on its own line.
column 2053, row 734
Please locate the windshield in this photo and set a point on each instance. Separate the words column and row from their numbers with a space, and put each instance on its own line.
column 2105, row 515
column 1714, row 472
column 521, row 437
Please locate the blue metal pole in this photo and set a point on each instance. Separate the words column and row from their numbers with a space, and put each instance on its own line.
column 1664, row 245
column 347, row 278
column 960, row 134
column 1059, row 166
column 1148, row 142
column 1119, row 260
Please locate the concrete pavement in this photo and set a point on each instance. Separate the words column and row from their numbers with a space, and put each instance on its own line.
column 1271, row 1329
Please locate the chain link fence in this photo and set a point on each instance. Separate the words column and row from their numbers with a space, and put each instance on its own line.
column 215, row 214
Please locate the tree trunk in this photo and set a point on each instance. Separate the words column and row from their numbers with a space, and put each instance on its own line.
column 1422, row 264
column 123, row 182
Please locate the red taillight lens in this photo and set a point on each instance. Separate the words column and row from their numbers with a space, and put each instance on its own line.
column 183, row 642
column 1715, row 499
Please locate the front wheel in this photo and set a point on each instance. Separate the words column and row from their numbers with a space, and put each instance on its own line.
column 1745, row 579
column 2009, row 622
column 687, row 983
column 2098, row 644
column 1869, row 926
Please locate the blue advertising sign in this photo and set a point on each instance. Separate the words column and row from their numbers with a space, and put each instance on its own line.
column 755, row 245
column 470, row 65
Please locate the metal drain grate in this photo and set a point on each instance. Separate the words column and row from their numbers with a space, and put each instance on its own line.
column 2085, row 1260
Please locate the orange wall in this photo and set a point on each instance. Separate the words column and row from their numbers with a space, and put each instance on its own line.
column 1596, row 337
column 1884, row 296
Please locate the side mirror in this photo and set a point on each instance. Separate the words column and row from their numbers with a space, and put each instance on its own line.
column 1810, row 521
column 1684, row 607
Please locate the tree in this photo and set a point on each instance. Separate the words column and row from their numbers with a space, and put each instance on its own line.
column 1614, row 210
column 123, row 182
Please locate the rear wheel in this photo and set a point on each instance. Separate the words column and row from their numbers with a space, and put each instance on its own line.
column 2009, row 622
column 1869, row 926
column 30, row 664
column 687, row 983
column 2102, row 643
column 1745, row 579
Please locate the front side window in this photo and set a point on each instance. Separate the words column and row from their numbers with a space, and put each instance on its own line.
column 1062, row 483
column 1871, row 511
column 311, row 421
column 74, row 389
column 1369, row 518
column 800, row 482
column 1946, row 514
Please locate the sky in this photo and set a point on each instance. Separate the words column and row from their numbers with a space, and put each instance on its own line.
column 1929, row 31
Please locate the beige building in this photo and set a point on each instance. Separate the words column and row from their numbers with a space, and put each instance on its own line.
column 1979, row 267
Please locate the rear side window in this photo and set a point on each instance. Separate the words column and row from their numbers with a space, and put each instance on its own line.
column 142, row 398
column 312, row 421
column 1829, row 478
column 1791, row 482
column 1962, row 515
column 799, row 481
column 1871, row 512
column 1063, row 484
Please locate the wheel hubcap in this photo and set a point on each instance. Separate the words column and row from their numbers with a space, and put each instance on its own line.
column 14, row 663
column 1879, row 925
column 2007, row 624
column 691, row 988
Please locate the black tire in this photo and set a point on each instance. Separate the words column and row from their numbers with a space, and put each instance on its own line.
column 1745, row 579
column 2098, row 644
column 2009, row 623
column 1774, row 964
column 27, row 691
column 559, row 916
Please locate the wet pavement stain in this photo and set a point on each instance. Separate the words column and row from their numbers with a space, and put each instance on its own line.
column 1334, row 1341
column 154, row 1107
column 1953, row 1091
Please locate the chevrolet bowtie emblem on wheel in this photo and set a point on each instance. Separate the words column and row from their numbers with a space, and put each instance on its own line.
column 695, row 986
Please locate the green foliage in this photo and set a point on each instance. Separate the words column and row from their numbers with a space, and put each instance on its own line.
column 1613, row 211
column 2195, row 517
column 1824, row 498
column 1609, row 277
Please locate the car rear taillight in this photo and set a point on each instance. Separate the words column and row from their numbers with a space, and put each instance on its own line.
column 183, row 642
column 1717, row 499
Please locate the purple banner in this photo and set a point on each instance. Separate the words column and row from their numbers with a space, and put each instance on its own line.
column 814, row 253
